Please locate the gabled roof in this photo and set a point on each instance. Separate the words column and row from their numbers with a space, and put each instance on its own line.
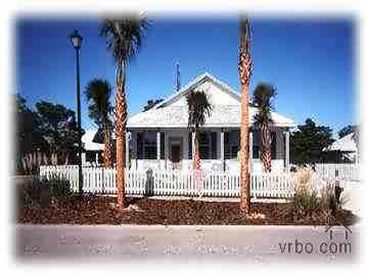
column 197, row 81
column 87, row 140
column 346, row 144
column 168, row 115
column 177, row 117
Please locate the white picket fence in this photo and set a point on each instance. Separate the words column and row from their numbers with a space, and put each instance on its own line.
column 345, row 172
column 174, row 183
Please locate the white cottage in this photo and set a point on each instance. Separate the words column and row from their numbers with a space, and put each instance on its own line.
column 159, row 138
column 347, row 146
column 92, row 151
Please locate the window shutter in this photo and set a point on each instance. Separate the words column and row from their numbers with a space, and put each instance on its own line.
column 273, row 145
column 256, row 143
column 204, row 145
column 139, row 146
column 162, row 145
column 227, row 145
column 213, row 145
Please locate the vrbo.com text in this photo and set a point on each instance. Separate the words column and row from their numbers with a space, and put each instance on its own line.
column 302, row 247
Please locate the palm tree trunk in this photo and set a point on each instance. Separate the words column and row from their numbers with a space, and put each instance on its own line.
column 266, row 148
column 107, row 147
column 120, row 127
column 244, row 74
column 197, row 158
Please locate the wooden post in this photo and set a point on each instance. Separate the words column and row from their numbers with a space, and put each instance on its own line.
column 287, row 151
column 127, row 149
column 166, row 145
column 251, row 151
column 134, row 149
column 158, row 145
column 222, row 148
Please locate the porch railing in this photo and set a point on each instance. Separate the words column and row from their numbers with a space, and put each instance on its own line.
column 174, row 183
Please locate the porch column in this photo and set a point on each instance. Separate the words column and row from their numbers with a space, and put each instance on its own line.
column 134, row 149
column 222, row 148
column 287, row 151
column 158, row 145
column 250, row 151
column 166, row 145
column 127, row 135
column 96, row 158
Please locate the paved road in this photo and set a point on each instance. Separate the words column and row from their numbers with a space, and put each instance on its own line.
column 244, row 244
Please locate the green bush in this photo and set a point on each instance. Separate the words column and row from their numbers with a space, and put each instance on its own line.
column 42, row 192
column 306, row 201
column 58, row 188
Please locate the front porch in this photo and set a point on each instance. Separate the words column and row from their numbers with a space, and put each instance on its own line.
column 172, row 149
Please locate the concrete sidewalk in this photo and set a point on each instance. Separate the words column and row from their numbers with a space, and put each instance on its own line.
column 244, row 244
column 350, row 197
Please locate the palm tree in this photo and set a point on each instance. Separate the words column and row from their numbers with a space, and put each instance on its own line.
column 97, row 93
column 262, row 99
column 124, row 39
column 198, row 107
column 245, row 71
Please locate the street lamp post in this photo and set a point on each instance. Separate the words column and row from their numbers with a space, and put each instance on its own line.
column 76, row 41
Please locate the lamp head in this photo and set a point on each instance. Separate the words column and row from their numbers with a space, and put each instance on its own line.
column 76, row 39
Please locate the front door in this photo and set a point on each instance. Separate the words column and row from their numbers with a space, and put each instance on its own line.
column 175, row 146
column 175, row 153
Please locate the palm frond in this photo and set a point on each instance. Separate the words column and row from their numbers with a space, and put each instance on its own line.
column 98, row 93
column 198, row 107
column 124, row 36
column 262, row 99
column 245, row 34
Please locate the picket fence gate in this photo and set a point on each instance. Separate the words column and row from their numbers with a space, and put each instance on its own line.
column 173, row 182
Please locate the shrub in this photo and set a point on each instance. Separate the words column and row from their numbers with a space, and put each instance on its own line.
column 42, row 192
column 311, row 196
column 58, row 188
column 306, row 200
column 330, row 195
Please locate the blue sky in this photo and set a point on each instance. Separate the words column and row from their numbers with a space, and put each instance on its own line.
column 310, row 61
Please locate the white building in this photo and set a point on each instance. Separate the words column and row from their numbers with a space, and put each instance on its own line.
column 92, row 150
column 347, row 146
column 159, row 138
